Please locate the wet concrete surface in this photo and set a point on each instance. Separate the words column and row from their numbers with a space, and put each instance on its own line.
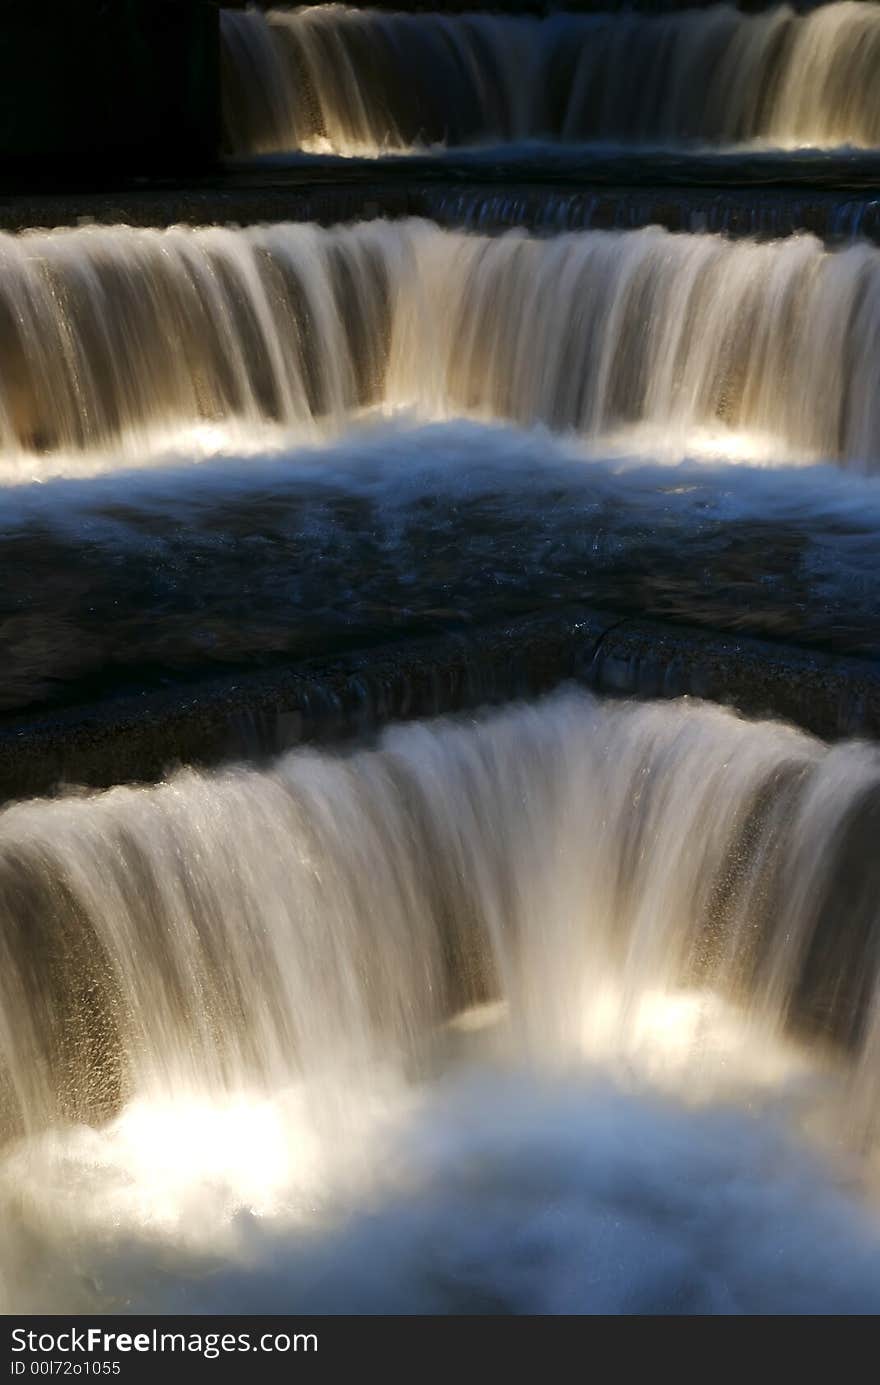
column 329, row 701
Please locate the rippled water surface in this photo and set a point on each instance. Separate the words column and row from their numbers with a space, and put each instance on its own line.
column 130, row 580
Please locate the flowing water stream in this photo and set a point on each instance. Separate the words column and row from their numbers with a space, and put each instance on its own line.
column 568, row 1007
column 296, row 993
column 362, row 82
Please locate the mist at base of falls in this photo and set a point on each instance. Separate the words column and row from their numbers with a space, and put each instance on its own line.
column 571, row 1007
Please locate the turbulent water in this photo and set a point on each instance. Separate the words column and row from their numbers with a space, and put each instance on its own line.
column 363, row 82
column 121, row 337
column 121, row 582
column 250, row 976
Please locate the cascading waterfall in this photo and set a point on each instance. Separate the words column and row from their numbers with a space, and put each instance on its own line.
column 573, row 1006
column 328, row 78
column 588, row 864
column 120, row 336
column 238, row 990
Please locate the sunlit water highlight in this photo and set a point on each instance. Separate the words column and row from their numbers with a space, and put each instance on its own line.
column 542, row 1012
column 132, row 578
column 362, row 82
column 119, row 344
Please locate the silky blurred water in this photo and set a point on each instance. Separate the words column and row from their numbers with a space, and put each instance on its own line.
column 115, row 340
column 571, row 1008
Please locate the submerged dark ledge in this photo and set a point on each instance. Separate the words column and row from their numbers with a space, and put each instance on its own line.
column 549, row 163
column 680, row 192
column 326, row 701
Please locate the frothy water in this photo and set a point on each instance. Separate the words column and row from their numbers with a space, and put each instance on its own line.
column 132, row 341
column 128, row 579
column 355, row 82
column 733, row 211
column 498, row 1192
column 263, row 986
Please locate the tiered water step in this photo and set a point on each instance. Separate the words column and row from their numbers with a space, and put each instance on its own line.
column 732, row 197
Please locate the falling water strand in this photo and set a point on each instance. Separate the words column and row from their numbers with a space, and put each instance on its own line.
column 583, row 863
column 134, row 336
column 349, row 81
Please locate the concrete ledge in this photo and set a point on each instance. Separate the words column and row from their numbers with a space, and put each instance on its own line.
column 252, row 718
